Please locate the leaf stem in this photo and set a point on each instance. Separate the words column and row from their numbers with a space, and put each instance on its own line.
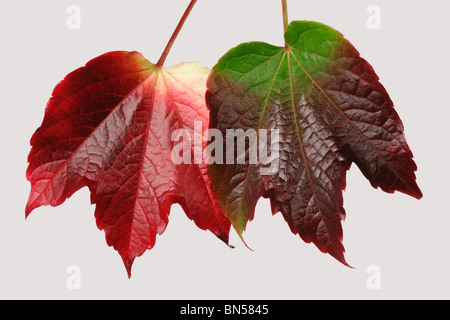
column 175, row 33
column 285, row 18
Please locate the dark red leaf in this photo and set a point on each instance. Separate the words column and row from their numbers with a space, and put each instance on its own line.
column 329, row 109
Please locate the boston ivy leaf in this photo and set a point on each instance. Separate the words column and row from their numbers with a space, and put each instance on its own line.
column 108, row 126
column 330, row 110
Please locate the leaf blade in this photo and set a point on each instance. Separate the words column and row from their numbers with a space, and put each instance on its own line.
column 317, row 147
column 368, row 88
column 114, row 135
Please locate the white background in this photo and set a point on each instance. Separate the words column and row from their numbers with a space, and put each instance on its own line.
column 406, row 238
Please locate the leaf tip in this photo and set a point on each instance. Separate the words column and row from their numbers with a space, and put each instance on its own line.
column 345, row 263
column 417, row 193
column 128, row 262
column 412, row 190
column 28, row 210
column 224, row 237
column 243, row 241
column 340, row 258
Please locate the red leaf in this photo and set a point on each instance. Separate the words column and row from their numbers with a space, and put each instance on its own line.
column 330, row 111
column 108, row 126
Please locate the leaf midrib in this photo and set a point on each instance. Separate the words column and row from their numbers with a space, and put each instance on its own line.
column 305, row 159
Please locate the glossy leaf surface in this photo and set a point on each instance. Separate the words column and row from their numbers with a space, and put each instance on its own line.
column 330, row 110
column 109, row 126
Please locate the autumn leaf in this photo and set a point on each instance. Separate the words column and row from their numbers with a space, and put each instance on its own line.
column 109, row 126
column 330, row 110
